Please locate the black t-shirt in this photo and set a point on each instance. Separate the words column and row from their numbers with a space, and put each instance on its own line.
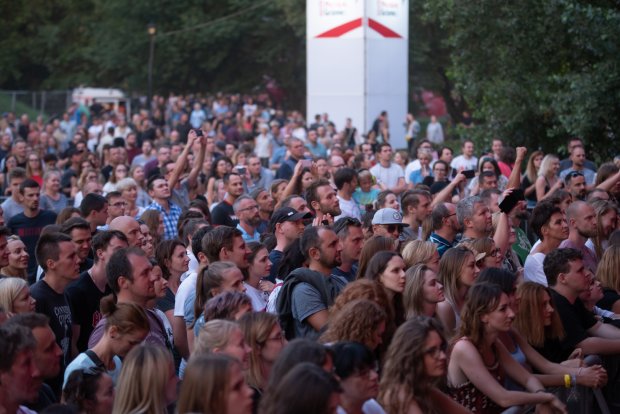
column 55, row 306
column 349, row 276
column 167, row 302
column 28, row 229
column 224, row 215
column 576, row 320
column 610, row 296
column 84, row 297
column 553, row 351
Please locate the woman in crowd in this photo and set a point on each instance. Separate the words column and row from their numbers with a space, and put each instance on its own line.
column 126, row 326
column 118, row 173
column 129, row 190
column 305, row 389
column 421, row 252
column 148, row 382
column 219, row 336
column 492, row 255
column 155, row 222
column 457, row 273
column 415, row 363
column 34, row 168
column 52, row 198
column 172, row 258
column 356, row 369
column 607, row 272
column 606, row 222
column 18, row 258
column 263, row 335
column 372, row 246
column 277, row 189
column 387, row 198
column 88, row 175
column 302, row 178
column 15, row 296
column 528, row 183
column 362, row 321
column 361, row 289
column 479, row 363
column 218, row 277
column 487, row 164
column 90, row 391
column 423, row 291
column 137, row 173
column 260, row 267
column 548, row 180
column 219, row 168
column 214, row 384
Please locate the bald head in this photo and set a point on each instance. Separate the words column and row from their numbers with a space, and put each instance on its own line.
column 130, row 228
column 575, row 209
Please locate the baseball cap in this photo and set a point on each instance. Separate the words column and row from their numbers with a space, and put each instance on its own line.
column 388, row 216
column 286, row 214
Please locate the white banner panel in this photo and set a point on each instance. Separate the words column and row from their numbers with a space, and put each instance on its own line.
column 357, row 62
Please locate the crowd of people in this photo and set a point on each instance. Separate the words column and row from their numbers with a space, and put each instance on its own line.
column 215, row 255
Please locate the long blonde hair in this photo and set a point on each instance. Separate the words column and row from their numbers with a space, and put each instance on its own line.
column 418, row 251
column 142, row 383
column 609, row 267
column 256, row 328
column 215, row 334
column 10, row 288
column 545, row 165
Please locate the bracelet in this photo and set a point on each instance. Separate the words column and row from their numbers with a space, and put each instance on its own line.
column 573, row 379
column 566, row 381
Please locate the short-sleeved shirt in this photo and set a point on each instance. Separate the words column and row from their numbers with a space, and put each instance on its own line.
column 84, row 297
column 83, row 361
column 442, row 244
column 246, row 236
column 224, row 215
column 533, row 269
column 48, row 203
column 576, row 320
column 388, row 175
column 170, row 218
column 28, row 229
column 11, row 208
column 522, row 245
column 349, row 208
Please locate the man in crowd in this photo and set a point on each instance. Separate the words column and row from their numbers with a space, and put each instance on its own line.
column 416, row 206
column 307, row 293
column 94, row 209
column 388, row 222
column 389, row 175
column 155, row 167
column 346, row 183
column 223, row 213
column 159, row 191
column 29, row 224
column 287, row 226
column 314, row 146
column 575, row 142
column 576, row 185
column 296, row 149
column 260, row 177
column 467, row 160
column 116, row 206
column 246, row 210
column 349, row 231
column 581, row 219
column 12, row 206
column 578, row 160
column 130, row 227
column 84, row 294
column 265, row 207
column 474, row 218
column 322, row 200
column 445, row 227
column 79, row 230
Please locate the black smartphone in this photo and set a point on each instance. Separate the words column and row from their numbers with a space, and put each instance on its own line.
column 198, row 132
column 469, row 173
column 511, row 200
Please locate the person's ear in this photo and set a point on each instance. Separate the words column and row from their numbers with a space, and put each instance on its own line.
column 123, row 282
column 113, row 332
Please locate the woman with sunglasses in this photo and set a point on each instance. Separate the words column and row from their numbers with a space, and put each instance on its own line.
column 479, row 362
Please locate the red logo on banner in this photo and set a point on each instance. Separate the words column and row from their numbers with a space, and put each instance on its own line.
column 354, row 24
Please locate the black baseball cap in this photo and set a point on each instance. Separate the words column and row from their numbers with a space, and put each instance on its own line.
column 286, row 214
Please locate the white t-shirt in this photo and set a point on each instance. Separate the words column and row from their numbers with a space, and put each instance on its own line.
column 533, row 269
column 273, row 297
column 185, row 288
column 466, row 163
column 388, row 176
column 349, row 208
column 258, row 297
column 370, row 407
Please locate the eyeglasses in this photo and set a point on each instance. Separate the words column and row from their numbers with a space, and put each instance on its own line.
column 450, row 215
column 436, row 351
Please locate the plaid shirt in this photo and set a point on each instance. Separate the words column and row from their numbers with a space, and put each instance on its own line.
column 170, row 219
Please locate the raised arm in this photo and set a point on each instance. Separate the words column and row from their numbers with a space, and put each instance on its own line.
column 182, row 160
column 192, row 179
column 514, row 180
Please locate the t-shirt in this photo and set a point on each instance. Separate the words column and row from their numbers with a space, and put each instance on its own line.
column 576, row 320
column 83, row 361
column 533, row 269
column 370, row 407
column 187, row 287
column 167, row 302
column 466, row 163
column 350, row 276
column 48, row 203
column 11, row 208
column 28, row 229
column 522, row 245
column 257, row 296
column 224, row 215
column 84, row 297
column 610, row 296
column 349, row 208
column 363, row 199
column 275, row 256
column 389, row 176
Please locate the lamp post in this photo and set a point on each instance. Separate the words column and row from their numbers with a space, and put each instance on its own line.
column 152, row 31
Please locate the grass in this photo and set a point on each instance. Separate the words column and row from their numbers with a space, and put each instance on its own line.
column 20, row 107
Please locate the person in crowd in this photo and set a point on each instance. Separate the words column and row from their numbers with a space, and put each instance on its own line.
column 457, row 273
column 417, row 176
column 305, row 389
column 34, row 168
column 415, row 363
column 475, row 186
column 214, row 384
column 129, row 192
column 17, row 265
column 172, row 258
column 19, row 374
column 372, row 246
column 117, row 174
column 323, row 201
column 265, row 203
column 387, row 199
column 287, row 226
column 137, row 173
column 79, row 231
column 12, row 206
column 366, row 194
column 130, row 228
column 307, row 293
column 219, row 336
column 296, row 150
column 155, row 223
column 94, row 209
column 29, row 224
column 578, row 160
column 421, row 252
column 15, row 295
column 126, row 326
column 607, row 273
column 488, row 255
column 416, row 206
column 263, row 335
column 548, row 180
column 300, row 181
column 606, row 222
column 349, row 231
column 388, row 175
column 528, row 183
column 361, row 320
column 423, row 291
column 357, row 371
column 89, row 391
column 276, row 191
column 148, row 382
column 247, row 213
column 582, row 225
column 549, row 224
column 479, row 363
column 223, row 213
column 346, row 180
column 52, row 198
column 219, row 168
column 467, row 160
column 388, row 222
column 256, row 287
column 474, row 217
column 445, row 227
column 575, row 184
column 292, row 259
column 159, row 191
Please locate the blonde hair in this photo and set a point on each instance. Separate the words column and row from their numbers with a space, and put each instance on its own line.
column 142, row 383
column 450, row 267
column 215, row 334
column 528, row 320
column 10, row 288
column 609, row 267
column 530, row 169
column 545, row 165
column 413, row 296
column 256, row 328
column 418, row 252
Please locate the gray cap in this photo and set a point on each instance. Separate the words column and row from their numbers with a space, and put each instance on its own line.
column 388, row 216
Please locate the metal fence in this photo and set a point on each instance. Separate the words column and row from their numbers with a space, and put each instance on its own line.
column 34, row 103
